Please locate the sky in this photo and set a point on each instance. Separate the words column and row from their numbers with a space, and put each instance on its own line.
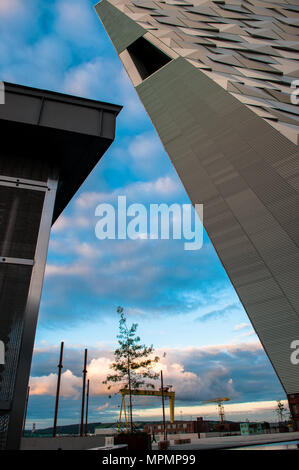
column 183, row 301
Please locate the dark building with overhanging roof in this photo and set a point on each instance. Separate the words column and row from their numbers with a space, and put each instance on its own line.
column 50, row 142
column 218, row 80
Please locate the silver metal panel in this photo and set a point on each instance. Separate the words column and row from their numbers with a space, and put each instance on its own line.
column 21, row 185
column 27, row 262
column 30, row 320
column 70, row 117
column 20, row 108
column 34, row 106
column 24, row 181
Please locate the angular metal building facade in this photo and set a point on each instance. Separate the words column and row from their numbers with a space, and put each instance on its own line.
column 216, row 78
column 49, row 144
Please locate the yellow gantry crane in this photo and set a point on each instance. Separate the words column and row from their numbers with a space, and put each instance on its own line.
column 152, row 393
column 220, row 401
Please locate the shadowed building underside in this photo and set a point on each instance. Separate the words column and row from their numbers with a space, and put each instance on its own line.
column 215, row 78
column 49, row 144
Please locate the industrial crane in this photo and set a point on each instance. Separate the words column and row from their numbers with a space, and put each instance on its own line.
column 220, row 401
column 167, row 393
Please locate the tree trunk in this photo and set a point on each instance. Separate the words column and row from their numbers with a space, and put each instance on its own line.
column 130, row 390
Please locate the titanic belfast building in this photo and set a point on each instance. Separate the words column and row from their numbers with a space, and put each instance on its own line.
column 218, row 80
column 50, row 142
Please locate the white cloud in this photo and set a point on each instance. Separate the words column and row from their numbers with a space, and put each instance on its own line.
column 105, row 79
column 103, row 407
column 188, row 385
column 84, row 79
column 90, row 199
column 61, row 224
column 247, row 334
column 217, row 348
column 98, row 369
column 46, row 385
column 10, row 6
column 164, row 186
column 86, row 250
column 143, row 149
column 196, row 374
column 130, row 101
column 75, row 19
column 135, row 311
column 255, row 411
column 69, row 270
column 65, row 225
column 184, row 382
column 241, row 326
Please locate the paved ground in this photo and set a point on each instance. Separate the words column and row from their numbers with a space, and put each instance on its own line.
column 234, row 441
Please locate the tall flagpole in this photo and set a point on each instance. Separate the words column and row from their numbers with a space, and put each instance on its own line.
column 60, row 366
column 83, row 393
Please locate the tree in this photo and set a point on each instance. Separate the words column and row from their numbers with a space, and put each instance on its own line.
column 132, row 361
column 280, row 410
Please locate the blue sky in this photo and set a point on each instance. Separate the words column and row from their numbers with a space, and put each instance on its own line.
column 182, row 300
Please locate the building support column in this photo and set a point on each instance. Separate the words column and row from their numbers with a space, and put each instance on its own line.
column 16, row 412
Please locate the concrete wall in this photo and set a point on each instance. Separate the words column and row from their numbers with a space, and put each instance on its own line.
column 104, row 431
column 62, row 442
column 172, row 437
column 204, row 435
column 189, row 435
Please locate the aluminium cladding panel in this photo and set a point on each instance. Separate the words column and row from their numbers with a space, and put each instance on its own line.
column 14, row 286
column 57, row 112
column 74, row 118
column 122, row 30
column 229, row 160
column 20, row 215
column 42, row 130
column 26, row 210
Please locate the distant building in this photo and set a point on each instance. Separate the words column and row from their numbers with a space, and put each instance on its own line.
column 294, row 407
column 250, row 428
column 191, row 427
column 178, row 427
